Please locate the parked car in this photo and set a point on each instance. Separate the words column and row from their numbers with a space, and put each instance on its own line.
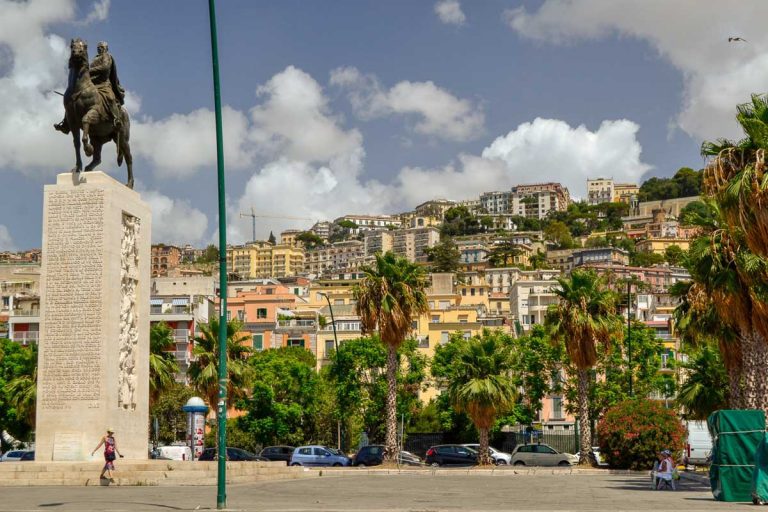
column 316, row 455
column 28, row 456
column 451, row 455
column 174, row 452
column 13, row 455
column 373, row 454
column 282, row 453
column 541, row 455
column 233, row 454
column 499, row 458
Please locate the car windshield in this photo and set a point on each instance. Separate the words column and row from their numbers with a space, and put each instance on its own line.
column 334, row 451
column 472, row 450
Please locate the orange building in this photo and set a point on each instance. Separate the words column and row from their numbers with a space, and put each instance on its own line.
column 272, row 313
column 164, row 259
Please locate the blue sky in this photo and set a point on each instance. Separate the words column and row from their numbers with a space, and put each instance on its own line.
column 354, row 106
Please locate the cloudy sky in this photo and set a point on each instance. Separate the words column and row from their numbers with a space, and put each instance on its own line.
column 364, row 106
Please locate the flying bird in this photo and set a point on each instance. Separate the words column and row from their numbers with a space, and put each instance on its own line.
column 734, row 39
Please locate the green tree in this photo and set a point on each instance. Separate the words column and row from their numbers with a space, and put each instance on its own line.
column 458, row 221
column 171, row 420
column 503, row 254
column 272, row 238
column 538, row 260
column 694, row 213
column 210, row 255
column 645, row 259
column 482, row 385
column 357, row 374
column 162, row 363
column 309, row 239
column 445, row 256
column 18, row 365
column 284, row 399
column 705, row 389
column 389, row 297
column 203, row 372
column 673, row 255
column 559, row 233
column 583, row 318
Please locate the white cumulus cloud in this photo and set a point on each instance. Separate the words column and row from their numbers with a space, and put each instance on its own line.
column 99, row 11
column 6, row 242
column 449, row 12
column 437, row 112
column 540, row 151
column 690, row 34
column 175, row 221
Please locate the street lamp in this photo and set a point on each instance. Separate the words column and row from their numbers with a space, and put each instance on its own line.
column 336, row 347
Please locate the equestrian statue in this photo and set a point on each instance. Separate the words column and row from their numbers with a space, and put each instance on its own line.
column 93, row 103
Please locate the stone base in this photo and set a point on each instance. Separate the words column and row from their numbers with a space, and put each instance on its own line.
column 93, row 363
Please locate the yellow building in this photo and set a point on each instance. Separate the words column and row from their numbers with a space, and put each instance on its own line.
column 260, row 259
column 659, row 245
column 624, row 192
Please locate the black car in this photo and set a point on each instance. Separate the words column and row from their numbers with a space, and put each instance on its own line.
column 28, row 456
column 451, row 455
column 282, row 453
column 373, row 455
column 233, row 454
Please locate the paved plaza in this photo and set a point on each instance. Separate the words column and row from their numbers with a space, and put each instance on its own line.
column 390, row 493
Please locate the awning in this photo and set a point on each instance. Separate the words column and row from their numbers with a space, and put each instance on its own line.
column 285, row 312
column 155, row 302
column 180, row 302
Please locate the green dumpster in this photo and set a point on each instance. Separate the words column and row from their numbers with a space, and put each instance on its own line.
column 735, row 437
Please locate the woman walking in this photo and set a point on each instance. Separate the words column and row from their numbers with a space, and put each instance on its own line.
column 110, row 449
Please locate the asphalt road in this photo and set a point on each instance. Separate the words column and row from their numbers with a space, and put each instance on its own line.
column 379, row 493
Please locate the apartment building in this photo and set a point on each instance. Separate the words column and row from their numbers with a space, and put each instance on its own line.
column 413, row 243
column 342, row 257
column 165, row 258
column 496, row 202
column 288, row 237
column 625, row 193
column 378, row 241
column 20, row 301
column 261, row 259
column 533, row 201
column 600, row 190
column 370, row 222
column 183, row 304
column 530, row 298
column 322, row 229
column 568, row 259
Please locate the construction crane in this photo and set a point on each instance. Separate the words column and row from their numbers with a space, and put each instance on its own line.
column 253, row 217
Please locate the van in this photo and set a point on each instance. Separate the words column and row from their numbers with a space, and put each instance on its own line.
column 175, row 452
column 698, row 448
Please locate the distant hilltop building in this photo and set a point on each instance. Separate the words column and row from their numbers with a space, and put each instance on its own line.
column 605, row 190
column 533, row 201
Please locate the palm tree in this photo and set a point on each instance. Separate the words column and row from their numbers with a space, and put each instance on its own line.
column 584, row 317
column 204, row 370
column 704, row 390
column 162, row 364
column 22, row 389
column 503, row 254
column 388, row 299
column 483, row 387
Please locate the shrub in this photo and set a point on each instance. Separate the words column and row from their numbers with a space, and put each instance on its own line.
column 632, row 432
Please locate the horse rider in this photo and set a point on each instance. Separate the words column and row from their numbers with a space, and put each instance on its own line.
column 103, row 71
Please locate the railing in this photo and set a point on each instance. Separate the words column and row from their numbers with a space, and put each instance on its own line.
column 25, row 312
column 26, row 337
column 296, row 323
column 342, row 326
column 182, row 356
column 174, row 310
column 181, row 335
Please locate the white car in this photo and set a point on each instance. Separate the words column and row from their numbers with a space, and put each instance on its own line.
column 499, row 458
column 13, row 455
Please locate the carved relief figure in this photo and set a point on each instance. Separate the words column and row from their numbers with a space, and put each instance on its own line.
column 129, row 333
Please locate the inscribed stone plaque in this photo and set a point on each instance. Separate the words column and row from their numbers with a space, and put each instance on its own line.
column 68, row 446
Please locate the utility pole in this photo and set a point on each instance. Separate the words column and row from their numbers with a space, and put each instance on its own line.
column 336, row 347
column 629, row 333
column 221, row 410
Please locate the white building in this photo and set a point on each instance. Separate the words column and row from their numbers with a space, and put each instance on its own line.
column 529, row 299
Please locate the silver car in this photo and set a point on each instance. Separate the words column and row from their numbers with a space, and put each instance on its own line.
column 499, row 458
column 541, row 455
column 315, row 455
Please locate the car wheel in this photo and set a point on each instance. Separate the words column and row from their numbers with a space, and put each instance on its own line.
column 337, row 464
column 501, row 462
column 435, row 465
column 519, row 463
column 564, row 463
column 361, row 465
column 295, row 464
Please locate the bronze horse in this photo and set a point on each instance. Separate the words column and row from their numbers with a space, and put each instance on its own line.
column 84, row 110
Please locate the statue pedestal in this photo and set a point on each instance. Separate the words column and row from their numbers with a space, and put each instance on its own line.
column 93, row 363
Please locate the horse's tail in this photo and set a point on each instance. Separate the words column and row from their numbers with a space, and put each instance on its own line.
column 122, row 135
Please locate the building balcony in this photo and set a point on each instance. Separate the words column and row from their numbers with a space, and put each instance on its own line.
column 27, row 337
column 296, row 325
column 181, row 335
column 341, row 326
